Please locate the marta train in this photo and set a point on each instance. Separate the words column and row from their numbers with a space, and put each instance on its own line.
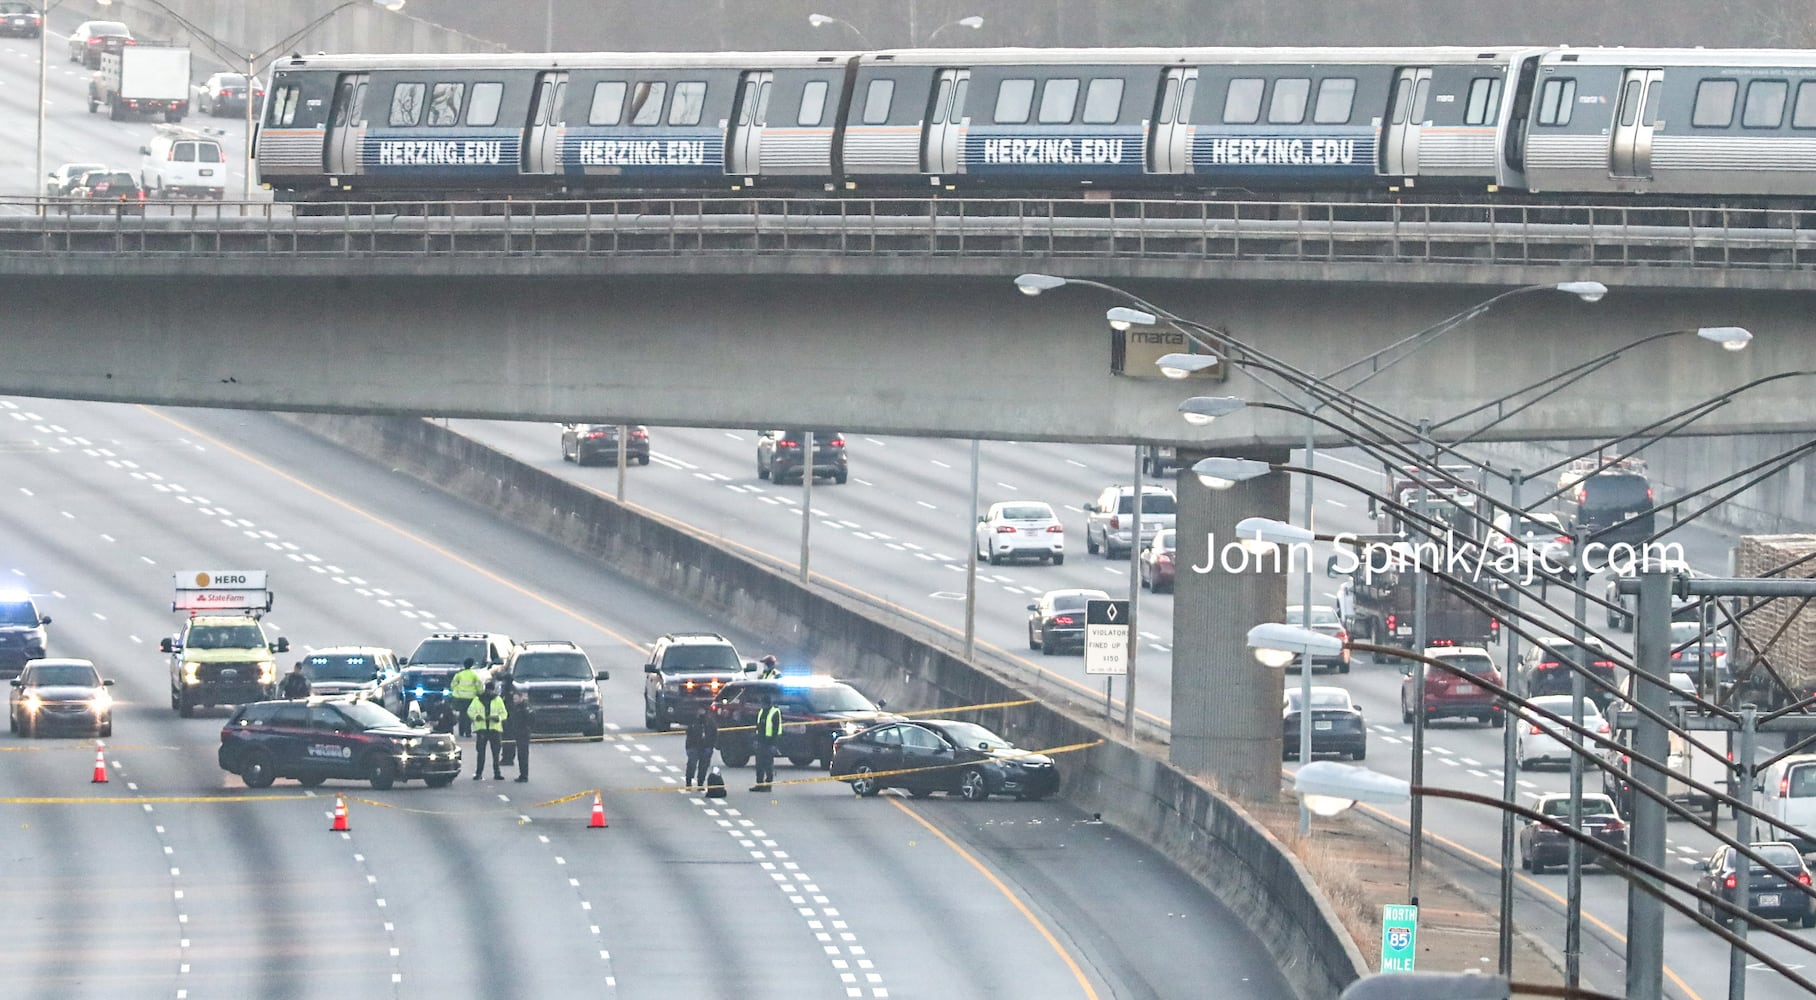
column 1348, row 122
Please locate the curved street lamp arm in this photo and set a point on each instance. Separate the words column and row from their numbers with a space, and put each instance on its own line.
column 214, row 44
column 302, row 32
column 1551, row 384
column 1416, row 341
column 1660, row 875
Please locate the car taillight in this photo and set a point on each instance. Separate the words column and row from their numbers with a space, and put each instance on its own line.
column 94, row 41
column 1648, row 494
column 141, row 194
column 1563, row 539
column 1803, row 878
column 1059, row 529
column 1343, row 636
column 788, row 444
column 1721, row 652
column 1615, row 824
column 1678, row 655
column 1582, row 495
column 1494, row 624
column 1390, row 622
column 836, row 443
column 1603, row 729
column 1536, row 731
column 640, row 434
column 1062, row 619
column 1731, row 882
column 1006, row 529
column 1548, row 665
column 1784, row 787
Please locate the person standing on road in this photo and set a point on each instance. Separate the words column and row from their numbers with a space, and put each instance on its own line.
column 463, row 689
column 507, row 689
column 702, row 739
column 488, row 712
column 295, row 684
column 517, row 730
column 769, row 730
column 770, row 670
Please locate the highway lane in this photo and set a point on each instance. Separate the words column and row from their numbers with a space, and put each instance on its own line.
column 669, row 898
column 702, row 477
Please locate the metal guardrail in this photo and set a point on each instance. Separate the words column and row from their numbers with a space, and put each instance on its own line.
column 1309, row 232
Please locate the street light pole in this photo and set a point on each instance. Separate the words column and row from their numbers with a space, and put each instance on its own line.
column 1510, row 738
column 43, row 56
column 1573, row 886
column 1305, row 620
column 806, row 496
column 1134, row 640
column 1417, row 813
column 971, row 562
column 1743, row 832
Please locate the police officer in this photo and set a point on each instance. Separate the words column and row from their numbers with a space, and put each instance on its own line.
column 507, row 689
column 702, row 738
column 770, row 670
column 488, row 713
column 769, row 729
column 463, row 689
column 295, row 684
column 517, row 730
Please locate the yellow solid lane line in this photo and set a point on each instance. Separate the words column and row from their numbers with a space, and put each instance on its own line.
column 1084, row 984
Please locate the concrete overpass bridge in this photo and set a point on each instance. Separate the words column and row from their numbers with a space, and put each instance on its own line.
column 900, row 317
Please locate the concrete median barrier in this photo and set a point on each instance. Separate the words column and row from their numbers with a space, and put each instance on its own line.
column 1210, row 837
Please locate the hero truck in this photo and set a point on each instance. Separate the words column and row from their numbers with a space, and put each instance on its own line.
column 222, row 655
column 142, row 80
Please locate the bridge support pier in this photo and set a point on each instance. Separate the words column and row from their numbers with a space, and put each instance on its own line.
column 1226, row 705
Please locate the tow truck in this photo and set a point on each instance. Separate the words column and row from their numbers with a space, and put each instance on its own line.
column 222, row 656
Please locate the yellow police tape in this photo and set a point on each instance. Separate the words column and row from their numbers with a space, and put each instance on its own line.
column 120, row 800
column 89, row 747
column 839, row 722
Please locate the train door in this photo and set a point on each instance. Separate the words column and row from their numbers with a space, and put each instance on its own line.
column 1405, row 115
column 346, row 123
column 944, row 134
column 744, row 153
column 542, row 143
column 1633, row 120
column 1170, row 133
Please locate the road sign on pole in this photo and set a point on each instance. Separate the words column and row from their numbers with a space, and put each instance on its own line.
column 1399, row 937
column 1106, row 637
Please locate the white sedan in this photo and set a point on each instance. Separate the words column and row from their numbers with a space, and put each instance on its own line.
column 1545, row 742
column 1021, row 529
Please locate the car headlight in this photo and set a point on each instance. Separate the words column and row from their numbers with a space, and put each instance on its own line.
column 267, row 672
column 589, row 693
column 31, row 702
column 189, row 669
column 101, row 702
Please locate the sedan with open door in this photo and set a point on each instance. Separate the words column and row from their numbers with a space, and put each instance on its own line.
column 941, row 755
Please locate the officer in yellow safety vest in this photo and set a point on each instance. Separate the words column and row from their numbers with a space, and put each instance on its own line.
column 488, row 712
column 463, row 689
column 770, row 670
column 769, row 730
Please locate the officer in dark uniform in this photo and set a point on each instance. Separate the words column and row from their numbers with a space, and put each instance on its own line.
column 702, row 739
column 769, row 729
column 517, row 730
column 507, row 689
column 295, row 684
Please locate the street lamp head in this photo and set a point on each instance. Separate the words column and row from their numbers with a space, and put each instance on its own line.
column 391, row 5
column 1270, row 531
column 973, row 22
column 820, row 20
column 1731, row 338
column 1327, row 787
column 1184, row 365
column 1030, row 284
column 1588, row 291
column 1276, row 645
column 1201, row 410
column 1223, row 473
column 1122, row 317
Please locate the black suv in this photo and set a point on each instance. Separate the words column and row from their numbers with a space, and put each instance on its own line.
column 430, row 669
column 563, row 688
column 815, row 712
column 684, row 672
column 21, row 633
column 1597, row 503
column 779, row 456
column 318, row 739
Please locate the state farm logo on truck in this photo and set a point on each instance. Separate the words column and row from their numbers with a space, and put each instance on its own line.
column 221, row 590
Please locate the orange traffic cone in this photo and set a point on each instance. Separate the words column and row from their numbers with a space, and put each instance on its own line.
column 340, row 816
column 598, row 820
column 100, row 777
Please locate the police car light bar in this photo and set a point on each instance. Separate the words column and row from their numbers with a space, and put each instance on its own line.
column 220, row 590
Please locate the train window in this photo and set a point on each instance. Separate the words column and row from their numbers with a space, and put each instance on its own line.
column 1336, row 98
column 877, row 100
column 1058, row 100
column 358, row 114
column 482, row 107
column 284, row 104
column 343, row 102
column 406, row 104
column 1804, row 116
column 444, row 104
column 813, row 104
column 1169, row 96
column 1288, row 105
column 690, row 103
column 1653, row 95
column 958, row 100
column 1103, row 101
column 1556, row 101
column 1186, row 97
column 1013, row 99
column 1242, row 105
column 608, row 103
column 1714, row 104
column 762, row 117
column 557, row 103
column 1765, row 104
column 1630, row 102
column 942, row 101
column 1484, row 100
column 646, row 102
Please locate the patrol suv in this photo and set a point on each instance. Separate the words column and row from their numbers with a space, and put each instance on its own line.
column 562, row 686
column 684, row 672
column 321, row 738
column 815, row 712
column 368, row 672
column 21, row 633
column 221, row 660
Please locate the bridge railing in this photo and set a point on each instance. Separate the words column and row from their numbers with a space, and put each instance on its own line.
column 1580, row 235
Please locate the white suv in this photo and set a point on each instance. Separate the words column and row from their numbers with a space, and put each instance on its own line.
column 183, row 163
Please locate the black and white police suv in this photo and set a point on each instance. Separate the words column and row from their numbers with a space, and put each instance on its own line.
column 321, row 738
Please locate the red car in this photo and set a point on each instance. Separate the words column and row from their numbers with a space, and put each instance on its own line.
column 1448, row 696
column 1157, row 562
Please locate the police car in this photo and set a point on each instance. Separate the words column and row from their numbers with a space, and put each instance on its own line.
column 321, row 738
column 368, row 672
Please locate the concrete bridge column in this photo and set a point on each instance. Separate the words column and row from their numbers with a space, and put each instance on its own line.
column 1226, row 705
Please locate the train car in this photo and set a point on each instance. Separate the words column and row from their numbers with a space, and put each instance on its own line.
column 491, row 126
column 1673, row 121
